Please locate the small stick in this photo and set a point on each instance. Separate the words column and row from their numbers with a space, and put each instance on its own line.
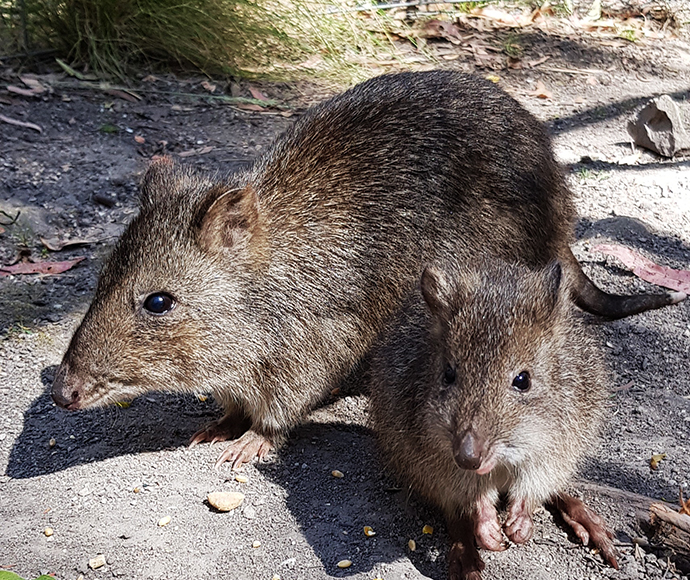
column 12, row 219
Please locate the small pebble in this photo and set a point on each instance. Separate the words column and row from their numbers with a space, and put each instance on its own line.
column 97, row 562
column 256, row 544
column 344, row 564
column 275, row 577
column 412, row 545
column 336, row 473
column 241, row 478
column 164, row 521
column 225, row 501
column 51, row 443
column 48, row 532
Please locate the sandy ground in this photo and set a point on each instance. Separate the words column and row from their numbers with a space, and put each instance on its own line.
column 103, row 479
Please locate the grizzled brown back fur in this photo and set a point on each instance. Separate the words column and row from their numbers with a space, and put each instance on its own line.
column 488, row 323
column 282, row 276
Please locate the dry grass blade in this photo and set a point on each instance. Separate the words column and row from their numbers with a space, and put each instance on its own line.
column 276, row 38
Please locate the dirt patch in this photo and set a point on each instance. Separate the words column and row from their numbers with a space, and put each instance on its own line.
column 102, row 480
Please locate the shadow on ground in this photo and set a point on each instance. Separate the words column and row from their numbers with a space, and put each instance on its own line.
column 608, row 112
column 634, row 234
column 153, row 422
column 332, row 512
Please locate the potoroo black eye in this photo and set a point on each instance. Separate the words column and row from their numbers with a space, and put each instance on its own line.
column 449, row 374
column 522, row 382
column 159, row 303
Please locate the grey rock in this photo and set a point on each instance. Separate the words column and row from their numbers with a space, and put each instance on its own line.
column 659, row 127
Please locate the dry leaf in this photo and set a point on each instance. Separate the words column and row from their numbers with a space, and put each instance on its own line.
column 201, row 151
column 625, row 387
column 20, row 91
column 21, row 123
column 44, row 267
column 139, row 139
column 503, row 18
column 541, row 92
column 149, row 79
column 656, row 459
column 210, row 87
column 533, row 63
column 55, row 244
column 478, row 49
column 684, row 505
column 442, row 29
column 121, row 95
column 36, row 87
column 250, row 107
column 644, row 268
column 257, row 94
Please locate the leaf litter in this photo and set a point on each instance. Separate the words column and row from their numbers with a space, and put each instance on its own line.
column 42, row 267
column 56, row 244
column 647, row 270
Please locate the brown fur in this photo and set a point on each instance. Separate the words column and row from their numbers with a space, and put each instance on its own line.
column 490, row 323
column 283, row 275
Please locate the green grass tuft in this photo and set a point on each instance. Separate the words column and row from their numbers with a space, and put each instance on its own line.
column 274, row 38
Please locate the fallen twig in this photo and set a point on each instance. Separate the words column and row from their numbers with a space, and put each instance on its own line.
column 574, row 71
column 12, row 219
column 20, row 123
column 96, row 86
